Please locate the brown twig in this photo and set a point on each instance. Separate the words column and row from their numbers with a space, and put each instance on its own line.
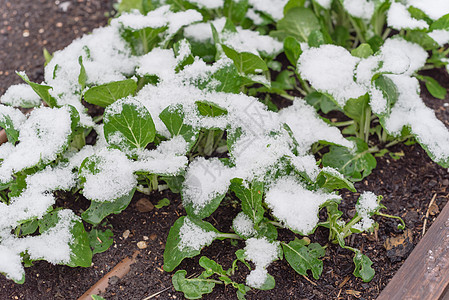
column 120, row 270
column 427, row 214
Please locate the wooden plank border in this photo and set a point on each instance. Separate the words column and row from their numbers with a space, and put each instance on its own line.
column 425, row 273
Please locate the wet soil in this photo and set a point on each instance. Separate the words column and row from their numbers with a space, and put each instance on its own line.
column 407, row 184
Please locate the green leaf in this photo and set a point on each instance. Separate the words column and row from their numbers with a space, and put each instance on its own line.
column 97, row 211
column 174, row 183
column 211, row 266
column 144, row 40
column 133, row 125
column 173, row 118
column 389, row 91
column 302, row 257
column 106, row 94
column 363, row 51
column 48, row 221
column 100, row 241
column 286, row 80
column 341, row 36
column 173, row 255
column 251, row 198
column 330, row 179
column 83, row 76
column 48, row 57
column 81, row 254
column 321, row 101
column 269, row 283
column 292, row 50
column 11, row 133
column 298, row 22
column 18, row 185
column 206, row 210
column 316, row 38
column 267, row 230
column 96, row 297
column 363, row 267
column 210, row 109
column 163, row 202
column 40, row 89
column 28, row 227
column 293, row 3
column 354, row 164
column 421, row 38
column 434, row 88
column 440, row 24
column 246, row 62
column 193, row 288
column 356, row 107
column 187, row 59
column 235, row 10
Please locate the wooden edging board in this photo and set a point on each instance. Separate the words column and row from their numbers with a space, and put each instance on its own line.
column 425, row 273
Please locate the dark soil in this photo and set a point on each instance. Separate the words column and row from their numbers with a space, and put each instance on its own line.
column 407, row 184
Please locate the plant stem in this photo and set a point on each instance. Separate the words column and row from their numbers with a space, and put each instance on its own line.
column 143, row 190
column 341, row 124
column 229, row 236
column 393, row 217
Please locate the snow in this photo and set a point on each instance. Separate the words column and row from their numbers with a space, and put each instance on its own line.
column 194, row 237
column 167, row 159
column 435, row 9
column 398, row 17
column 325, row 3
column 363, row 9
column 410, row 110
column 158, row 18
column 296, row 206
column 159, row 62
column 40, row 140
column 254, row 16
column 441, row 37
column 202, row 32
column 273, row 8
column 245, row 40
column 402, row 57
column 243, row 225
column 205, row 179
column 113, row 176
column 11, row 264
column 20, row 95
column 366, row 205
column 209, row 4
column 308, row 128
column 35, row 200
column 16, row 117
column 261, row 252
column 52, row 245
column 338, row 65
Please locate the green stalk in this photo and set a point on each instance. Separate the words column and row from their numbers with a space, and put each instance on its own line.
column 209, row 147
column 367, row 123
column 229, row 236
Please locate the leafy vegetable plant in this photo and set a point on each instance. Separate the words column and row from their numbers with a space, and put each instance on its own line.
column 190, row 91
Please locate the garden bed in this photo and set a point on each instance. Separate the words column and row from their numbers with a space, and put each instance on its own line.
column 408, row 184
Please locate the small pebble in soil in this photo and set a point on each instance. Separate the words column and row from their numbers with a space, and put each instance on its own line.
column 126, row 234
column 153, row 237
column 144, row 205
column 141, row 245
column 113, row 280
